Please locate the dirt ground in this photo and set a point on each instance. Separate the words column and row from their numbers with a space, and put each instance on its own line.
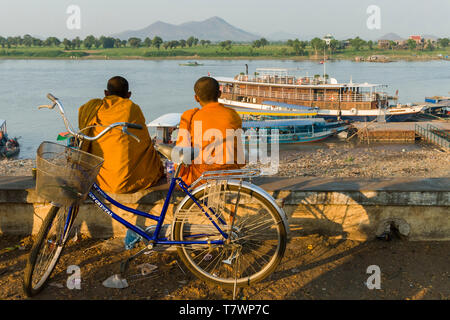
column 314, row 267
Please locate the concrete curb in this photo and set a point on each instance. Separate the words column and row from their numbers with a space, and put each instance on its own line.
column 357, row 209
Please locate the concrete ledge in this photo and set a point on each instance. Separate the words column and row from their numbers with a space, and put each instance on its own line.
column 394, row 192
column 357, row 209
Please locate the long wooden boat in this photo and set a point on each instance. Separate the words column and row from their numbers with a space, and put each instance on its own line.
column 438, row 105
column 277, row 90
column 292, row 127
column 292, row 130
column 191, row 64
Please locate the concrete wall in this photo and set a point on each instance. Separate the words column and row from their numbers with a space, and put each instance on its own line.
column 356, row 209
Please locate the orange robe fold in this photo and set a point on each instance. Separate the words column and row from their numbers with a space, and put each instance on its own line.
column 215, row 143
column 129, row 165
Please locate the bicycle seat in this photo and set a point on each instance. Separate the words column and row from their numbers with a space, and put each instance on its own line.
column 177, row 155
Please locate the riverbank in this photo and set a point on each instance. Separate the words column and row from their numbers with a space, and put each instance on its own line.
column 290, row 58
column 237, row 52
column 332, row 159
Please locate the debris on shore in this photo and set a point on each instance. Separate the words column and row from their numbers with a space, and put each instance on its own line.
column 332, row 160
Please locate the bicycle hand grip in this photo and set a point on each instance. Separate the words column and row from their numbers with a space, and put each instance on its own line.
column 52, row 97
column 134, row 126
column 46, row 106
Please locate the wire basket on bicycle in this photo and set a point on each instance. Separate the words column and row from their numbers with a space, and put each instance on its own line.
column 65, row 175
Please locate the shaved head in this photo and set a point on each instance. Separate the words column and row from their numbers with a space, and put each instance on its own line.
column 207, row 89
column 118, row 86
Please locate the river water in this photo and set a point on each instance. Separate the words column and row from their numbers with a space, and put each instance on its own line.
column 163, row 86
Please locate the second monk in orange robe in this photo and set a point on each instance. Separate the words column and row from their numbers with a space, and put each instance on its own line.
column 202, row 127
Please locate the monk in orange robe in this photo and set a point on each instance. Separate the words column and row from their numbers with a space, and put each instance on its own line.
column 214, row 129
column 129, row 165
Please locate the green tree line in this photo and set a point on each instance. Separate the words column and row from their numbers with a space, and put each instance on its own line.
column 315, row 46
column 91, row 42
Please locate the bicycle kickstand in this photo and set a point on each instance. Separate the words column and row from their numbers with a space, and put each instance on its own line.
column 124, row 265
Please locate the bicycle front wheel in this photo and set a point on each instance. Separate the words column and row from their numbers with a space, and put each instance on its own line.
column 256, row 235
column 47, row 248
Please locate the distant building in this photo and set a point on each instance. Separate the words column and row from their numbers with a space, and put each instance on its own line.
column 328, row 39
column 345, row 44
column 384, row 44
column 401, row 44
column 417, row 39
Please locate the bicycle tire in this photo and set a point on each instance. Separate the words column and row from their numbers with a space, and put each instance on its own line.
column 185, row 251
column 29, row 287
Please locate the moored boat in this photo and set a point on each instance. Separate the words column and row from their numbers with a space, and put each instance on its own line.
column 191, row 64
column 292, row 130
column 9, row 147
column 438, row 106
column 277, row 90
column 164, row 128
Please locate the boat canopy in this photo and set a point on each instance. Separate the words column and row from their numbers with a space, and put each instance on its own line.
column 287, row 105
column 3, row 125
column 279, row 113
column 281, row 123
column 166, row 120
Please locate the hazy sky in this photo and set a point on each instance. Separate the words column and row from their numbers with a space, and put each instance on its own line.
column 342, row 18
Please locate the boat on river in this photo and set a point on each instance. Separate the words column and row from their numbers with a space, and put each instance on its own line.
column 164, row 128
column 292, row 130
column 438, row 106
column 275, row 89
column 9, row 147
column 289, row 127
column 191, row 64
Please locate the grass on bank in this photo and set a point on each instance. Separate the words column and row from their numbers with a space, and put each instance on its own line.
column 214, row 51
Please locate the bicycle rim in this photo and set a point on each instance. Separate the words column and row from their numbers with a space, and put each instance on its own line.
column 258, row 237
column 47, row 249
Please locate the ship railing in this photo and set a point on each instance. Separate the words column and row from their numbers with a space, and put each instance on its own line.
column 280, row 79
column 434, row 135
column 306, row 97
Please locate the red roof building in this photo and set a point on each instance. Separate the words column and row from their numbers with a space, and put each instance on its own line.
column 417, row 39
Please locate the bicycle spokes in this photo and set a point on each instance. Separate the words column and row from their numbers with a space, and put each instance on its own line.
column 252, row 248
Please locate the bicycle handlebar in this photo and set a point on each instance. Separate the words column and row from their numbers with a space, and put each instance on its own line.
column 79, row 135
column 52, row 97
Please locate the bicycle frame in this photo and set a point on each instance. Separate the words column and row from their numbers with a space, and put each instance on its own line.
column 154, row 238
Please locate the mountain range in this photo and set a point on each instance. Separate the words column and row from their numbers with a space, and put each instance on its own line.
column 395, row 37
column 217, row 29
column 391, row 37
column 213, row 29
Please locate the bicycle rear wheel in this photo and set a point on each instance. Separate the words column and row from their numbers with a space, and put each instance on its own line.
column 47, row 248
column 256, row 243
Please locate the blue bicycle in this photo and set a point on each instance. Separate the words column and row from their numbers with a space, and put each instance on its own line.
column 227, row 231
